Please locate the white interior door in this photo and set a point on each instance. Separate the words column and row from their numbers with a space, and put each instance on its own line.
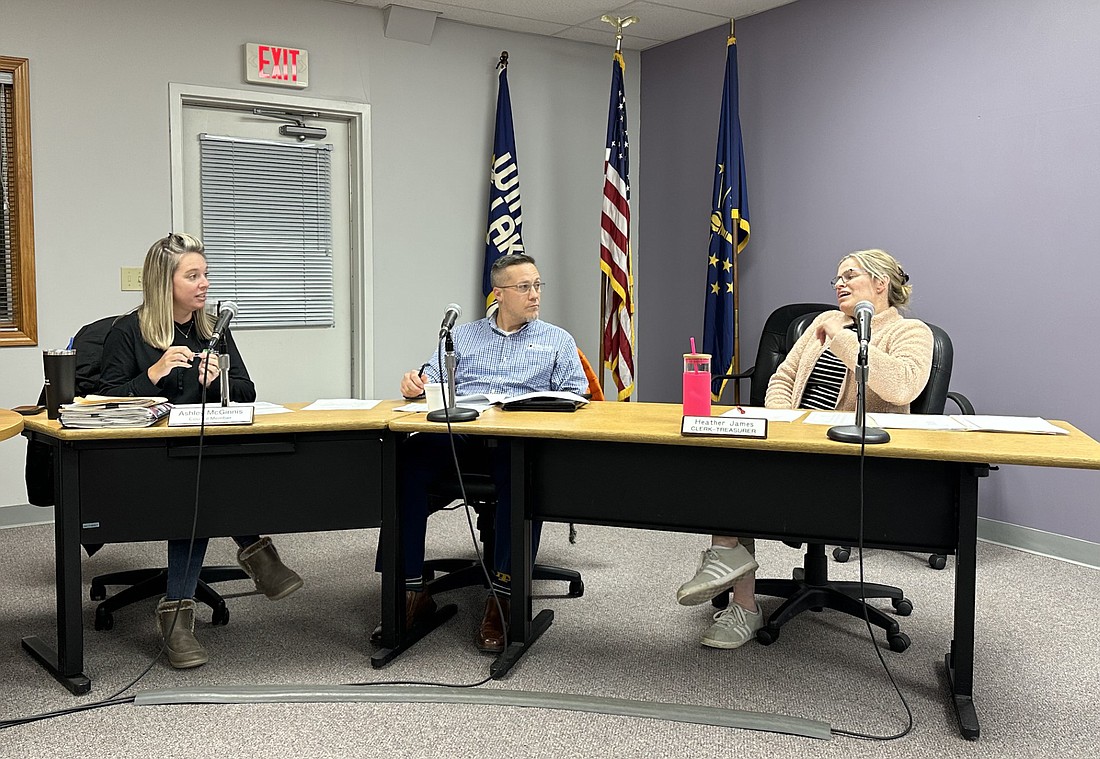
column 290, row 364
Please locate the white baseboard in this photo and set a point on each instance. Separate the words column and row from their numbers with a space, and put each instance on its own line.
column 1048, row 544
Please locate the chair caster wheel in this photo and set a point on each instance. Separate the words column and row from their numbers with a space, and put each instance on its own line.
column 576, row 588
column 720, row 601
column 103, row 620
column 765, row 636
column 842, row 554
column 903, row 606
column 898, row 643
column 99, row 592
column 937, row 561
column 220, row 615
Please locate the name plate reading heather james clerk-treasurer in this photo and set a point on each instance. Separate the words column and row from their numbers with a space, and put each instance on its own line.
column 725, row 426
column 191, row 415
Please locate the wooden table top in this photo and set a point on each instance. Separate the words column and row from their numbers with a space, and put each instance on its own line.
column 660, row 423
column 11, row 424
column 376, row 418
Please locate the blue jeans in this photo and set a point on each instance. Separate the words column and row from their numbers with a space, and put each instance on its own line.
column 425, row 459
column 183, row 573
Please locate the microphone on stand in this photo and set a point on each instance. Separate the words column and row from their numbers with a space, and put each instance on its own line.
column 864, row 311
column 450, row 316
column 227, row 310
column 859, row 432
column 450, row 412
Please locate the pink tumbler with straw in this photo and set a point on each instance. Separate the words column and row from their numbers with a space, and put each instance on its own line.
column 696, row 383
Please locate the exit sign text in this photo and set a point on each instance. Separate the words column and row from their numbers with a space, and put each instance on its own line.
column 276, row 64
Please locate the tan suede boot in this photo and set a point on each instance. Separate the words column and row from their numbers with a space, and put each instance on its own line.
column 262, row 563
column 178, row 630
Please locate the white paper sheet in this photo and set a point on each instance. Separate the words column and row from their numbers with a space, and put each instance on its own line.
column 333, row 404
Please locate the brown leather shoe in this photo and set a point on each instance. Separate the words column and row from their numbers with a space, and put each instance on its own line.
column 419, row 606
column 490, row 636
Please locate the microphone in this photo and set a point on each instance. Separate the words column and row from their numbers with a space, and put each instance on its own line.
column 450, row 316
column 864, row 311
column 860, row 432
column 227, row 312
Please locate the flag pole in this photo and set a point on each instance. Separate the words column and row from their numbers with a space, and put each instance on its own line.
column 736, row 299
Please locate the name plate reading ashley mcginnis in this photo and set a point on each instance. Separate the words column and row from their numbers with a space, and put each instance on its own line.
column 190, row 415
column 725, row 426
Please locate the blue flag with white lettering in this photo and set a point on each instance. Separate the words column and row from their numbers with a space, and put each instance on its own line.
column 729, row 231
column 503, row 235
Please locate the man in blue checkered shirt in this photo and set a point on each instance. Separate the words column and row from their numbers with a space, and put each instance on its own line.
column 510, row 352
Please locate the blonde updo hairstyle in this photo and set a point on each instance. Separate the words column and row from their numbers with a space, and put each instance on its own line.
column 885, row 268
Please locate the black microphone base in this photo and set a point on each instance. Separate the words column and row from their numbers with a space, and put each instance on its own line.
column 853, row 433
column 457, row 414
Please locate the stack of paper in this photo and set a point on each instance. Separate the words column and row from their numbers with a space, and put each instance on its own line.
column 99, row 411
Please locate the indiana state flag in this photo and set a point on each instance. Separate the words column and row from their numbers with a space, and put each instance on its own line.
column 729, row 231
column 505, row 217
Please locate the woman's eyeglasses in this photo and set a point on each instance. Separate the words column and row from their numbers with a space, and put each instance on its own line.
column 846, row 277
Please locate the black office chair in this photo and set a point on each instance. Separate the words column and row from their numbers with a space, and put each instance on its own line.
column 810, row 587
column 142, row 583
column 460, row 573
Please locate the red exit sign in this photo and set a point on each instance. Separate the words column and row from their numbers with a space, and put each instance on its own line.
column 276, row 64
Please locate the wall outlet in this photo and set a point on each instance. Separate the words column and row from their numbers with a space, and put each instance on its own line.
column 131, row 278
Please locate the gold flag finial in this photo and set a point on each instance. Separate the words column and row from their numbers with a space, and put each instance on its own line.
column 619, row 23
column 503, row 64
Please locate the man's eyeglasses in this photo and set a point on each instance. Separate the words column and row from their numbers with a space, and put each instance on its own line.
column 846, row 277
column 524, row 287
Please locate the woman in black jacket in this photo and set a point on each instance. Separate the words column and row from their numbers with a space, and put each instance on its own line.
column 159, row 350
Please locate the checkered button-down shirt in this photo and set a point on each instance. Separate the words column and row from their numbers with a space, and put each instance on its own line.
column 538, row 356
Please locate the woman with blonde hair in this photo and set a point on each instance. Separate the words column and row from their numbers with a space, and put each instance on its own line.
column 819, row 373
column 160, row 350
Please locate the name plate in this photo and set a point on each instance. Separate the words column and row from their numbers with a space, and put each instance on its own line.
column 725, row 426
column 190, row 415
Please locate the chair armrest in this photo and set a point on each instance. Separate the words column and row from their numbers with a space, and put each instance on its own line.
column 961, row 401
column 739, row 376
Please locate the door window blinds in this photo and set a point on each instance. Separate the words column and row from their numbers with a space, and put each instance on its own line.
column 267, row 228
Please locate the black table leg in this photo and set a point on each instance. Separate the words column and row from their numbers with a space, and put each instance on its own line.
column 960, row 660
column 522, row 630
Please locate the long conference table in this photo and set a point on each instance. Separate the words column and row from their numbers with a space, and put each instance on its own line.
column 627, row 465
column 617, row 464
column 290, row 472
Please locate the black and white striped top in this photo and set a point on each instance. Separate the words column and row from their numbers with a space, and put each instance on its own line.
column 823, row 385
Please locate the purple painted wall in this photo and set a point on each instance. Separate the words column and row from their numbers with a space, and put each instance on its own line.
column 964, row 138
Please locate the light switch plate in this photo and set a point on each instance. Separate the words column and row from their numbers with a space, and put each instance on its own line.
column 131, row 278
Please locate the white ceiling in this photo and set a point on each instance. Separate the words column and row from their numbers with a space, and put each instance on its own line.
column 659, row 21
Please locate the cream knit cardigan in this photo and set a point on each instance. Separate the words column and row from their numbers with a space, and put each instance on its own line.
column 899, row 359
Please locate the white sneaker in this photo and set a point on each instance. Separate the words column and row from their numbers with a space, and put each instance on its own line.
column 733, row 627
column 719, row 569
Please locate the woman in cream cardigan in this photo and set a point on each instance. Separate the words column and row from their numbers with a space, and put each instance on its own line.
column 818, row 373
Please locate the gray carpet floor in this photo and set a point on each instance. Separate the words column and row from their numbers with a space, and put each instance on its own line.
column 1036, row 683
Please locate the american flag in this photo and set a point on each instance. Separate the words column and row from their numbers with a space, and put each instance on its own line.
column 615, row 256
